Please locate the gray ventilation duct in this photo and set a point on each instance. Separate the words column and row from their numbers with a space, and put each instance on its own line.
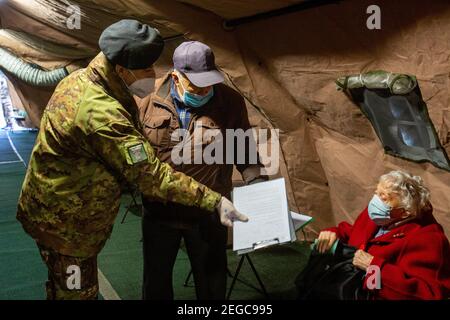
column 30, row 73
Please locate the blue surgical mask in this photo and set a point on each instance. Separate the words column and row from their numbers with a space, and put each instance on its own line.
column 195, row 100
column 379, row 211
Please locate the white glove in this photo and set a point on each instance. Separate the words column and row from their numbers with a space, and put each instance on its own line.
column 228, row 213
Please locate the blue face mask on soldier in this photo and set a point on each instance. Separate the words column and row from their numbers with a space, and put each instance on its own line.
column 195, row 100
column 379, row 211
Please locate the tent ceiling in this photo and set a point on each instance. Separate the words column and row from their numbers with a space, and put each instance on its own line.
column 231, row 9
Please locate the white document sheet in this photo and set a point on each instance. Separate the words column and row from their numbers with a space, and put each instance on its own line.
column 266, row 206
column 300, row 220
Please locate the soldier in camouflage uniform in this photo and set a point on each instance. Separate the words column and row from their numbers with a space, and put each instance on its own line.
column 89, row 146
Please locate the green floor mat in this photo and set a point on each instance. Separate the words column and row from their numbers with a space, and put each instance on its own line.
column 23, row 142
column 22, row 274
column 6, row 151
column 122, row 263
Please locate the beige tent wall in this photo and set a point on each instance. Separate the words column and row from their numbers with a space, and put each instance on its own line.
column 286, row 67
column 333, row 155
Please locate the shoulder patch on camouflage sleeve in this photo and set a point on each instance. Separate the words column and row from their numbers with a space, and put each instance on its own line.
column 137, row 153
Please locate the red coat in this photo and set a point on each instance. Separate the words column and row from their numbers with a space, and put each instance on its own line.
column 414, row 258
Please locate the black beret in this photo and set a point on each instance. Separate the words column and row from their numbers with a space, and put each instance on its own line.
column 131, row 44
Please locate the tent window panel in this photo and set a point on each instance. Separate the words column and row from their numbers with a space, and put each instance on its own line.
column 402, row 124
column 410, row 136
column 400, row 109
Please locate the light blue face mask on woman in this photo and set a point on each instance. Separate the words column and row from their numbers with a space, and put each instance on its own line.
column 195, row 100
column 379, row 211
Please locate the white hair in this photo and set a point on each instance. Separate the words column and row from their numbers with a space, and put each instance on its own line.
column 414, row 196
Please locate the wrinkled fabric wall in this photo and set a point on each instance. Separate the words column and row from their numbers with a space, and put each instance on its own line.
column 286, row 67
column 333, row 156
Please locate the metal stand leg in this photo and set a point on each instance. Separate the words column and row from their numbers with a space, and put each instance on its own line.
column 186, row 282
column 124, row 216
column 257, row 277
column 235, row 276
column 133, row 196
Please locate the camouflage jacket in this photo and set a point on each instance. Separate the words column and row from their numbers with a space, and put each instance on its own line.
column 90, row 145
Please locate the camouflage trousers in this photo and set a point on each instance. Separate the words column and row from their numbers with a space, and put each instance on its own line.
column 70, row 278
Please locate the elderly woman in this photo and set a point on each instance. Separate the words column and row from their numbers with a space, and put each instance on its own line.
column 398, row 233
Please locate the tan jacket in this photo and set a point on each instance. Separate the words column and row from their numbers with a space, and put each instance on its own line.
column 225, row 110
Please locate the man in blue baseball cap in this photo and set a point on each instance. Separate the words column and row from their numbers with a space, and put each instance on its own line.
column 191, row 99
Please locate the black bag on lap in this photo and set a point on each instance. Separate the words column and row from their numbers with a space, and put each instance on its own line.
column 331, row 276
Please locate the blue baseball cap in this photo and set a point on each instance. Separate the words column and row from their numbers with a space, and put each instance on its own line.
column 196, row 60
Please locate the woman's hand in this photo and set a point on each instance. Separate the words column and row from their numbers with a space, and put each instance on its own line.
column 325, row 241
column 362, row 260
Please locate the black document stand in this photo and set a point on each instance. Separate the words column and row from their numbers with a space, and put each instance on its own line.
column 133, row 203
column 241, row 262
column 262, row 288
column 236, row 274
